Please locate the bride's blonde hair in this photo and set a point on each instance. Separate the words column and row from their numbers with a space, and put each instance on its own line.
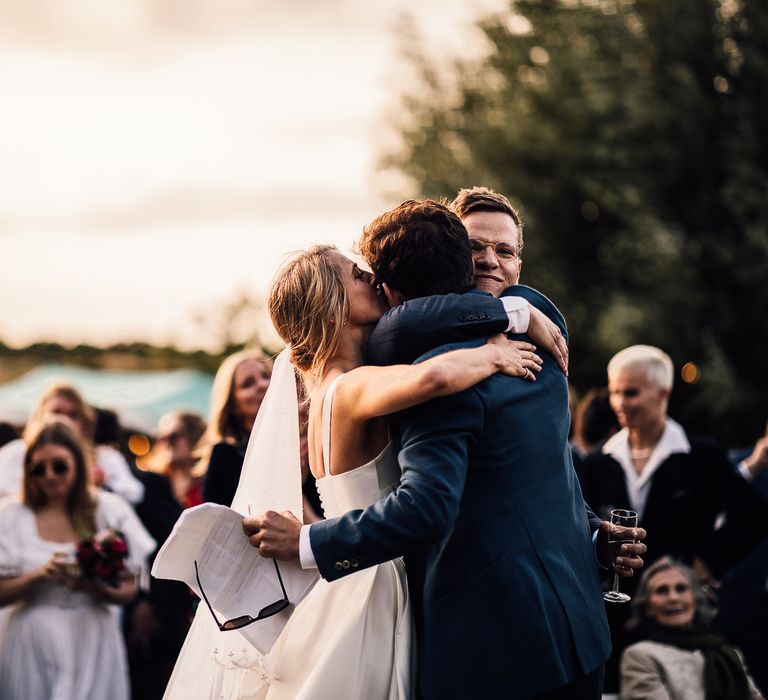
column 308, row 306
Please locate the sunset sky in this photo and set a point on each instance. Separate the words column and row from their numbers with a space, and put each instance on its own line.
column 158, row 155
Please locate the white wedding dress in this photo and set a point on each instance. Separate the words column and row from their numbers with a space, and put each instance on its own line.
column 350, row 639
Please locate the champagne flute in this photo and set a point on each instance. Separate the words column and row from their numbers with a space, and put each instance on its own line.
column 623, row 522
column 68, row 562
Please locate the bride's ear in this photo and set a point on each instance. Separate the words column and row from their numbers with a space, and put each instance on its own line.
column 394, row 298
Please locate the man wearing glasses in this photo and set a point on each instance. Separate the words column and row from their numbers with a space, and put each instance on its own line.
column 495, row 236
column 495, row 233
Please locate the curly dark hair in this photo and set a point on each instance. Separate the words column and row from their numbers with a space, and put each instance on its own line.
column 419, row 248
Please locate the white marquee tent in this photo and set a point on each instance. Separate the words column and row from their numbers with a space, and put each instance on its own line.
column 139, row 398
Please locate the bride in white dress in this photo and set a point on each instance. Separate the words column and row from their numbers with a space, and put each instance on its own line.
column 350, row 638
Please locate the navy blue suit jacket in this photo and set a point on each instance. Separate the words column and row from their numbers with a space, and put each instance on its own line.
column 419, row 325
column 492, row 523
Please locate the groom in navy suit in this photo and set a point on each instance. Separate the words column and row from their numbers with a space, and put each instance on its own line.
column 488, row 513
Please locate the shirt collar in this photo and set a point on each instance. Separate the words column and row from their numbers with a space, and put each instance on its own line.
column 673, row 441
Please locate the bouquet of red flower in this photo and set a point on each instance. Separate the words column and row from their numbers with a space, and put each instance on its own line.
column 102, row 556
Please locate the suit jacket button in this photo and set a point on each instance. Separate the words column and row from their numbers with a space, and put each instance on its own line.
column 354, row 563
column 338, row 565
column 345, row 563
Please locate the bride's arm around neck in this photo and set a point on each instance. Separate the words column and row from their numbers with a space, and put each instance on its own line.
column 368, row 392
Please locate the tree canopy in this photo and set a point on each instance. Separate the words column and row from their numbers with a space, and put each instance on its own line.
column 632, row 136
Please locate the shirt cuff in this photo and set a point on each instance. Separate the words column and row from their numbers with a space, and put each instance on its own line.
column 518, row 312
column 744, row 470
column 306, row 556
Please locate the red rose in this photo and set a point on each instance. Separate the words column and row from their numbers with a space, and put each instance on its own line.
column 104, row 570
column 103, row 556
column 87, row 555
column 118, row 546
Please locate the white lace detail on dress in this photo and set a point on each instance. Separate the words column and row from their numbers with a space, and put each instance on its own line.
column 254, row 669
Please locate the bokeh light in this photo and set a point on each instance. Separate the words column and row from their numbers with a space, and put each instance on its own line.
column 690, row 373
column 139, row 445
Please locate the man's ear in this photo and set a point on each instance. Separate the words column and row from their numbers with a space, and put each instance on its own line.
column 394, row 298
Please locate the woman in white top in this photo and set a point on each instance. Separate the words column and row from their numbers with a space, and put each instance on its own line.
column 61, row 639
column 107, row 466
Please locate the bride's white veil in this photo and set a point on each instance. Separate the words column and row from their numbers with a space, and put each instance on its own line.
column 213, row 664
column 271, row 474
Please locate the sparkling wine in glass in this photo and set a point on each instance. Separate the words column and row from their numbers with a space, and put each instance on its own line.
column 71, row 568
column 623, row 522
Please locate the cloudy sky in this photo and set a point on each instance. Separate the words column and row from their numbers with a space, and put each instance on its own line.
column 156, row 156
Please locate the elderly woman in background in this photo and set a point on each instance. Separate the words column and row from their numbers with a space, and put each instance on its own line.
column 61, row 639
column 677, row 657
column 174, row 455
column 107, row 467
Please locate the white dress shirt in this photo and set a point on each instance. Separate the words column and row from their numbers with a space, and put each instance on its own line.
column 673, row 441
column 518, row 312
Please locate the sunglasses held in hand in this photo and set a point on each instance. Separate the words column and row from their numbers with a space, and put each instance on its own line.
column 237, row 623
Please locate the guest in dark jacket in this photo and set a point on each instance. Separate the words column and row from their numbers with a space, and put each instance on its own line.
column 593, row 423
column 679, row 484
column 752, row 462
column 173, row 455
column 690, row 500
column 743, row 596
column 238, row 390
column 156, row 623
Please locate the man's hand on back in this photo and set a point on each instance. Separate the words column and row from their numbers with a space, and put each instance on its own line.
column 547, row 336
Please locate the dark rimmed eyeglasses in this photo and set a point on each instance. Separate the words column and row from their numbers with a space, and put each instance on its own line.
column 237, row 623
column 59, row 467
